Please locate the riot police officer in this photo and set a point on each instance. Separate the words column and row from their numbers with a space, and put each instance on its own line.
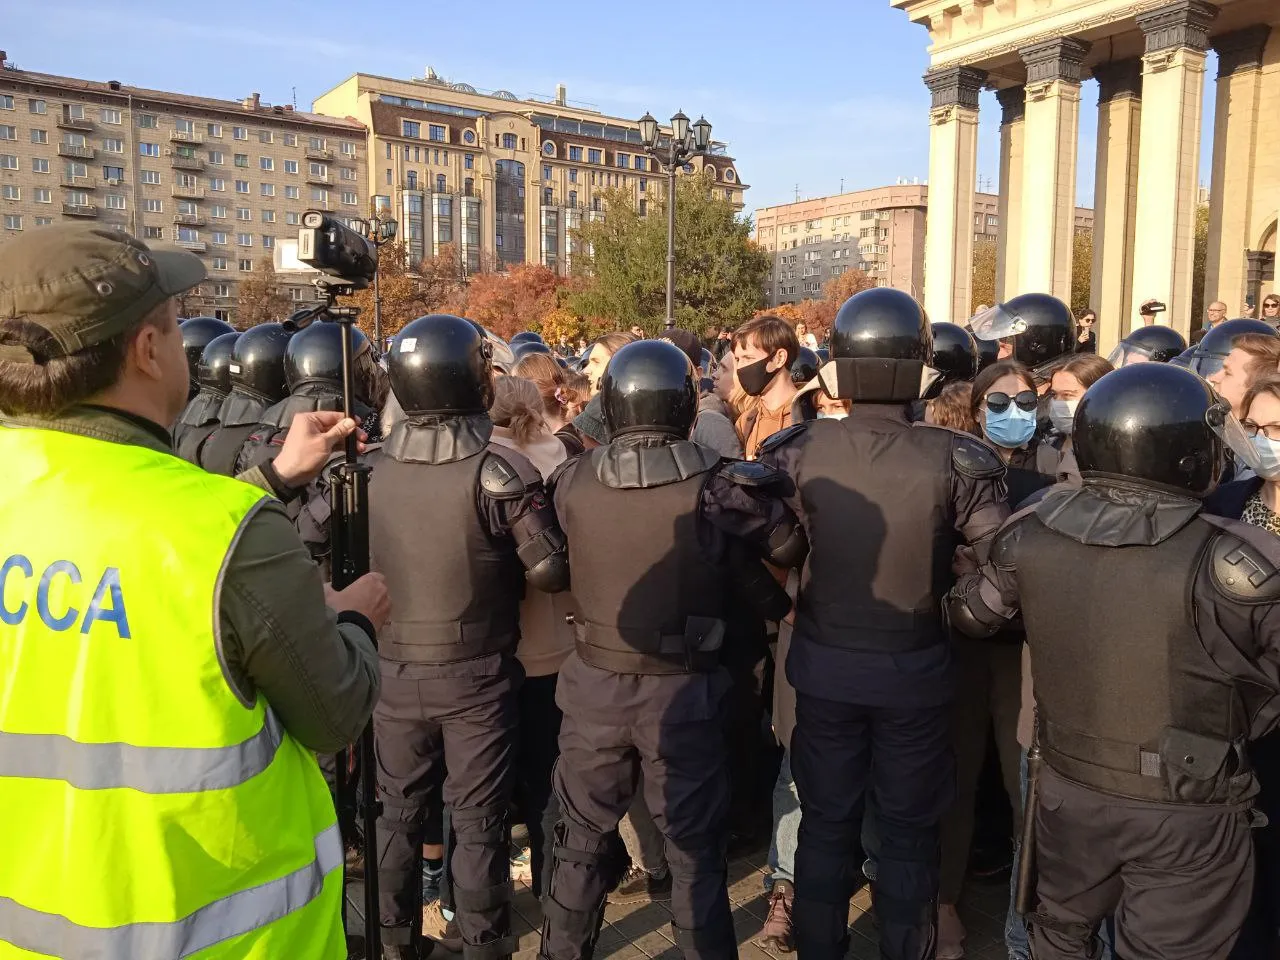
column 1208, row 355
column 659, row 533
column 1154, row 344
column 885, row 503
column 1144, row 708
column 1038, row 330
column 955, row 354
column 257, row 381
column 197, row 333
column 461, row 525
column 200, row 416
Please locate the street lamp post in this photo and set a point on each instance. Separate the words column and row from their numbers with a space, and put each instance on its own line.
column 379, row 230
column 686, row 141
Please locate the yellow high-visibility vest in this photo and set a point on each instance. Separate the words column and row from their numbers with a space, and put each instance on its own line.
column 148, row 813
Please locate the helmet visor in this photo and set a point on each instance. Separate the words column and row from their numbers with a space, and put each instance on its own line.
column 1206, row 364
column 1126, row 353
column 1224, row 423
column 996, row 323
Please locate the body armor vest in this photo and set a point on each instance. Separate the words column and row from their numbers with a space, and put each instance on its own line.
column 1128, row 700
column 458, row 589
column 239, row 415
column 198, row 420
column 880, row 556
column 648, row 599
column 275, row 425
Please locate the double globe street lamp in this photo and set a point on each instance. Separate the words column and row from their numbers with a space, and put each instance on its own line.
column 673, row 152
column 379, row 230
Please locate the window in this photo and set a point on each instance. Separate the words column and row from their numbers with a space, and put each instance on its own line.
column 8, row 133
column 573, row 198
column 575, row 154
column 348, row 173
column 184, row 126
column 74, row 140
column 410, row 128
column 622, row 160
column 349, row 197
column 217, row 184
column 388, row 176
column 240, row 133
column 223, row 315
column 266, row 163
column 435, row 132
column 296, row 294
column 146, row 121
column 188, row 235
column 316, row 143
column 440, row 185
column 244, row 213
column 218, row 211
column 39, row 136
column 76, row 198
column 291, row 166
column 149, row 149
column 43, row 221
column 150, row 176
column 10, row 192
column 547, row 198
column 153, row 233
column 244, row 240
column 595, row 156
column 319, row 170
column 242, row 160
column 242, row 186
column 219, row 263
column 266, row 136
column 220, row 238
column 546, row 172
column 12, row 221
column 644, row 184
column 268, row 243
column 113, row 173
column 290, row 139
column 42, row 195
column 348, row 148
column 993, row 221
column 509, row 141
column 6, row 102
column 214, row 129
column 154, row 206
column 222, row 289
column 77, row 171
column 187, row 209
column 112, row 145
column 644, row 207
column 246, row 265
column 292, row 193
column 320, row 195
column 641, row 163
column 37, row 165
column 268, row 216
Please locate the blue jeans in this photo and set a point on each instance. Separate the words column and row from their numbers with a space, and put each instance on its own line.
column 786, row 827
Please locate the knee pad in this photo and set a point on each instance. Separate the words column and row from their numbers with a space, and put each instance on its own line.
column 701, row 853
column 481, row 825
column 400, row 816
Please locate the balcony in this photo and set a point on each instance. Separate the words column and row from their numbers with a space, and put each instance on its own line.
column 179, row 162
column 313, row 153
column 178, row 136
column 77, row 153
column 197, row 246
column 189, row 219
column 190, row 193
column 319, row 180
column 79, row 183
column 79, row 210
column 75, row 123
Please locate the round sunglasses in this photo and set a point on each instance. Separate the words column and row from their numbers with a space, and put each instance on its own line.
column 999, row 402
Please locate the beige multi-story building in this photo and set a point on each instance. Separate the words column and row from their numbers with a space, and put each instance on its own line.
column 503, row 180
column 879, row 231
column 224, row 179
column 1149, row 58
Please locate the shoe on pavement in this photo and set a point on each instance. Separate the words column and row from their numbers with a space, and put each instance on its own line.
column 776, row 933
column 400, row 951
column 639, row 886
column 951, row 933
column 444, row 932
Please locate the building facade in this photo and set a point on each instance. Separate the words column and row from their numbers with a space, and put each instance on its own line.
column 879, row 231
column 1149, row 60
column 224, row 179
column 503, row 180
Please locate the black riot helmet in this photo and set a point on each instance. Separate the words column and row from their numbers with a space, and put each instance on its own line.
column 705, row 361
column 881, row 342
column 440, row 364
column 214, row 370
column 526, row 336
column 1153, row 424
column 1184, row 358
column 314, row 355
column 1041, row 326
column 1208, row 354
column 804, row 367
column 649, row 387
column 988, row 352
column 257, row 362
column 955, row 353
column 526, row 347
column 823, row 355
column 1154, row 344
column 197, row 333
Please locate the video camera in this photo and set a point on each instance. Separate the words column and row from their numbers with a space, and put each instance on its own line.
column 330, row 246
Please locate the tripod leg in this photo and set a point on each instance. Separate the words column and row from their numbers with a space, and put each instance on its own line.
column 371, row 810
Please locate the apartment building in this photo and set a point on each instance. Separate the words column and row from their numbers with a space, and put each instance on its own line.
column 879, row 231
column 503, row 179
column 224, row 179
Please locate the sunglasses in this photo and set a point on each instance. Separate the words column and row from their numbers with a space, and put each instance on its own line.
column 999, row 402
column 1270, row 304
column 1087, row 322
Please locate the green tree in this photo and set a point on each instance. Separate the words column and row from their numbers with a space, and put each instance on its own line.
column 262, row 298
column 1081, row 271
column 720, row 272
column 1201, row 256
column 984, row 275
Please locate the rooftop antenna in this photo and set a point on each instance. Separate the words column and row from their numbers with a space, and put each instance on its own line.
column 295, row 98
column 842, row 184
column 797, row 193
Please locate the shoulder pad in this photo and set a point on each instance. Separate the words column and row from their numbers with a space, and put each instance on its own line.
column 751, row 473
column 1241, row 572
column 975, row 459
column 559, row 472
column 1004, row 546
column 499, row 479
column 775, row 440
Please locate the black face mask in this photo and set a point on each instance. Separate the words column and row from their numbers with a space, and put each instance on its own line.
column 754, row 378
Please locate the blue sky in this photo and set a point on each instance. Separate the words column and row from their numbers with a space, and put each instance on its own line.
column 807, row 94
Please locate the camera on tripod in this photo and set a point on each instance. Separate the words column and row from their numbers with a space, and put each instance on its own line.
column 330, row 246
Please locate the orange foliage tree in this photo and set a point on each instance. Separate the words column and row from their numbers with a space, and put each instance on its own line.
column 518, row 299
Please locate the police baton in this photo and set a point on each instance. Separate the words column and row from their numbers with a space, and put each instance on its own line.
column 1025, row 886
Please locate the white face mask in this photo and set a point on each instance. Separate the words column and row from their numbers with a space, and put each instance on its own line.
column 823, row 415
column 1063, row 414
column 1269, row 453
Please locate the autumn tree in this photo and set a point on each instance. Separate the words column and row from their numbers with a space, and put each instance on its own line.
column 1200, row 259
column 514, row 300
column 984, row 275
column 720, row 271
column 262, row 298
column 407, row 292
column 1081, row 271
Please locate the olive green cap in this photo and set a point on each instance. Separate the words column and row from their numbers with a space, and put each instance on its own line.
column 84, row 283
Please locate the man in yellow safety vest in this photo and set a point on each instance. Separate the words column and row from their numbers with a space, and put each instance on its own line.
column 169, row 657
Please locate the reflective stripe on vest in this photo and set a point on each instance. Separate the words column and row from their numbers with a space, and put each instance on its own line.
column 151, row 811
column 232, row 916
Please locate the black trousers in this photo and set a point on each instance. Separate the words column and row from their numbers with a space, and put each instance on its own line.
column 472, row 720
column 1176, row 878
column 838, row 751
column 540, row 719
column 686, row 788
